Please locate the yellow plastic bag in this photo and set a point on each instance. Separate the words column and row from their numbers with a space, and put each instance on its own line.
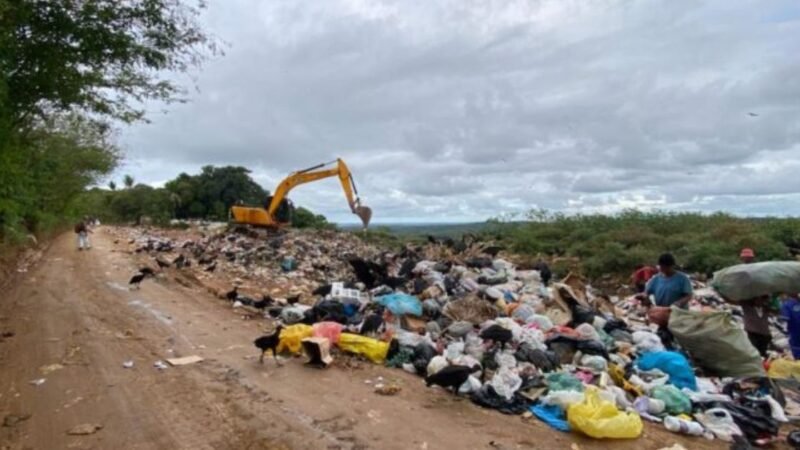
column 784, row 368
column 370, row 348
column 292, row 336
column 601, row 419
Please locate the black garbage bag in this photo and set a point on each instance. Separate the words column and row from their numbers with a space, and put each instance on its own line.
column 533, row 382
column 450, row 284
column 407, row 266
column 580, row 314
column 753, row 419
column 479, row 262
column 493, row 280
column 615, row 324
column 419, row 285
column 443, row 267
column 545, row 361
column 368, row 272
column 793, row 439
column 566, row 346
column 423, row 354
column 328, row 310
column 754, row 387
column 488, row 398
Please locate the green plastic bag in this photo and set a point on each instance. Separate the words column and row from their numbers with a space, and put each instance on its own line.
column 675, row 401
column 601, row 419
column 716, row 343
column 746, row 281
column 559, row 381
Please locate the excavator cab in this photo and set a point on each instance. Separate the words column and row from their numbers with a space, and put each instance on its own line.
column 277, row 210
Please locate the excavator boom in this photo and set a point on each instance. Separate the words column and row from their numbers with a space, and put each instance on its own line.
column 268, row 216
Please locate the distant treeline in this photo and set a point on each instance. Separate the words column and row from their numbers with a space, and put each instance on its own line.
column 207, row 195
column 615, row 244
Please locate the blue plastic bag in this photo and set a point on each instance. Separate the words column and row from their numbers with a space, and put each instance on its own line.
column 673, row 364
column 552, row 415
column 401, row 304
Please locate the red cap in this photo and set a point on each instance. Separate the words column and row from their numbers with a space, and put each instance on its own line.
column 747, row 253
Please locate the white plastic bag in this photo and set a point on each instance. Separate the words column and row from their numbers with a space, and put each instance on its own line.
column 506, row 382
column 436, row 364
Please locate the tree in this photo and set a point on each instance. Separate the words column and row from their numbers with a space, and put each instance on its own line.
column 303, row 218
column 112, row 185
column 99, row 56
column 211, row 193
column 128, row 181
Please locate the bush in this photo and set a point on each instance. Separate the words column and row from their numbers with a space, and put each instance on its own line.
column 615, row 244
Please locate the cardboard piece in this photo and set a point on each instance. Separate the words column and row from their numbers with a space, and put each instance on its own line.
column 184, row 360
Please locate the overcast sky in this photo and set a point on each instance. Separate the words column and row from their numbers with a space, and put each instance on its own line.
column 467, row 109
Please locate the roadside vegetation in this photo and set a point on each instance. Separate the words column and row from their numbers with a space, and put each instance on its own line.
column 615, row 244
column 205, row 196
column 69, row 73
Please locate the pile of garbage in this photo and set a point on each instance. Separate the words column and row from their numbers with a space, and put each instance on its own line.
column 292, row 262
column 466, row 320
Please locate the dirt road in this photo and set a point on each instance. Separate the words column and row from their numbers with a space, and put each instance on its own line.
column 75, row 323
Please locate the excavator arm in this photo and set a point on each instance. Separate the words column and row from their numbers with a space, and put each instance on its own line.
column 312, row 174
column 267, row 217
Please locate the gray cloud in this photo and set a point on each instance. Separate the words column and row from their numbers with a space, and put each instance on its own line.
column 463, row 110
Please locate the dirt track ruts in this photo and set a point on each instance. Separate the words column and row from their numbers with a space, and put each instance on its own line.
column 74, row 309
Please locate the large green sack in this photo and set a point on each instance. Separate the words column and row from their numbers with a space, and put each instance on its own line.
column 716, row 343
column 746, row 281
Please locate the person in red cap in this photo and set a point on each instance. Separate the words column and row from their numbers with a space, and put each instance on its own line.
column 642, row 275
column 747, row 256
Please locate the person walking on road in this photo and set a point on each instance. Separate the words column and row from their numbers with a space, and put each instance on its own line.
column 82, row 230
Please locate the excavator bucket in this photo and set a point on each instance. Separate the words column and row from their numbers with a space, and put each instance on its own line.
column 364, row 213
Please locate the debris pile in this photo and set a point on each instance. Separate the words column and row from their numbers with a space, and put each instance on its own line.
column 460, row 316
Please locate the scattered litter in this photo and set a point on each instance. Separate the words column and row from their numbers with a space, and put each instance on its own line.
column 11, row 420
column 160, row 365
column 85, row 429
column 451, row 311
column 184, row 360
column 50, row 368
column 387, row 389
column 128, row 364
column 37, row 382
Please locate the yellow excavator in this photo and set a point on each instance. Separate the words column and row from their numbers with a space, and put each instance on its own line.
column 277, row 210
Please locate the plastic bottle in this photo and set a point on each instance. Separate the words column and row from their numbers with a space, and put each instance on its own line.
column 678, row 425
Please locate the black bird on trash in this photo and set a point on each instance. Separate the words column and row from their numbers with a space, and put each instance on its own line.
column 269, row 342
column 161, row 263
column 211, row 267
column 147, row 271
column 180, row 262
column 450, row 377
column 233, row 294
column 138, row 278
column 497, row 334
column 372, row 323
column 293, row 299
column 265, row 301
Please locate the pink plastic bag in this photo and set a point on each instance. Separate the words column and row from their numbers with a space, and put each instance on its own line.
column 328, row 330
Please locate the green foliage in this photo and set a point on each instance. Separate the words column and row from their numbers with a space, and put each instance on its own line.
column 65, row 68
column 616, row 244
column 207, row 195
column 211, row 193
column 303, row 218
column 100, row 56
column 40, row 174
